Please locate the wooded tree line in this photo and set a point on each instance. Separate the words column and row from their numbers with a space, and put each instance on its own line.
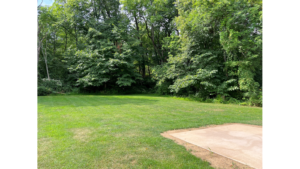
column 203, row 48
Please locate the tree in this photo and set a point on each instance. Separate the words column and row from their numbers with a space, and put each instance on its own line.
column 221, row 49
column 189, row 47
column 103, row 64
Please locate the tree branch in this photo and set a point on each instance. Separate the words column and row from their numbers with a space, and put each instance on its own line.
column 40, row 4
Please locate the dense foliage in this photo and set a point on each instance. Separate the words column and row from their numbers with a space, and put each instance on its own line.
column 199, row 48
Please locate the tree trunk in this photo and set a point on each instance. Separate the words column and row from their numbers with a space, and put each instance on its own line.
column 38, row 49
column 39, row 43
column 141, row 45
column 151, row 37
column 45, row 57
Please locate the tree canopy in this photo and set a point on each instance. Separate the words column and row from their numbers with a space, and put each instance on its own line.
column 203, row 48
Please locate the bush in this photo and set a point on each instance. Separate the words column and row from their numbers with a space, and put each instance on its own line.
column 163, row 89
column 43, row 91
column 56, row 86
column 219, row 99
column 233, row 101
column 244, row 104
column 208, row 100
column 75, row 91
column 256, row 100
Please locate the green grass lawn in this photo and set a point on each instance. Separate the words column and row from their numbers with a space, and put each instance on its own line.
column 92, row 131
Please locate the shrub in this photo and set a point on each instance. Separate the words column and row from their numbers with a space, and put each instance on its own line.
column 208, row 100
column 233, row 101
column 163, row 89
column 75, row 91
column 219, row 99
column 244, row 104
column 43, row 91
column 55, row 85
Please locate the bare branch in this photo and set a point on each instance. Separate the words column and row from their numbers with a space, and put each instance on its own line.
column 40, row 4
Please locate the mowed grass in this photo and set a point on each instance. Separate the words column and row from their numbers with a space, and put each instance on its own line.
column 92, row 131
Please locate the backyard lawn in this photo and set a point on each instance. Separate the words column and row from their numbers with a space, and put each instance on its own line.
column 123, row 131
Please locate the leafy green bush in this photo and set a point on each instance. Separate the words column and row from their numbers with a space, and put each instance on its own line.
column 46, row 86
column 55, row 85
column 256, row 101
column 194, row 97
column 163, row 88
column 244, row 104
column 208, row 100
column 233, row 100
column 260, row 99
column 219, row 99
column 44, row 91
column 75, row 91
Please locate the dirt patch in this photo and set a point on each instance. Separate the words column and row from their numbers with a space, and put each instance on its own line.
column 43, row 145
column 216, row 160
column 133, row 162
column 82, row 134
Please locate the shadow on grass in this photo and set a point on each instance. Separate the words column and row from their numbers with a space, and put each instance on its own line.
column 93, row 100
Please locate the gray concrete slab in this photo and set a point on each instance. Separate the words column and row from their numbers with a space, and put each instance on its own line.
column 242, row 143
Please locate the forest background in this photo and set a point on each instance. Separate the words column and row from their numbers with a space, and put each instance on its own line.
column 207, row 50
